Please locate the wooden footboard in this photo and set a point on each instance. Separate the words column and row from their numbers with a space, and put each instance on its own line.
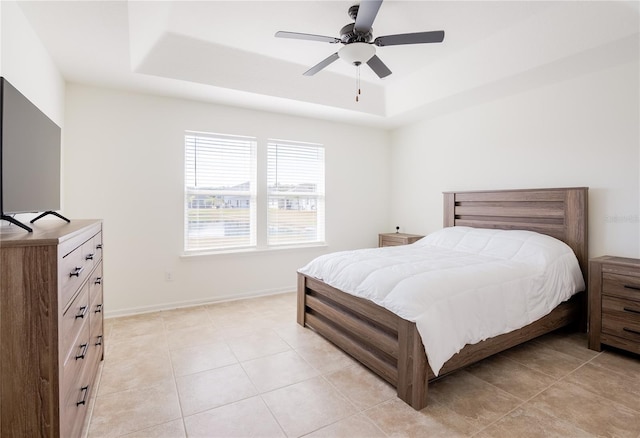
column 382, row 341
column 391, row 347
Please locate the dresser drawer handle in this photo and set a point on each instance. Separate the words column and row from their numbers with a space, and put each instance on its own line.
column 99, row 309
column 85, row 391
column 82, row 313
column 84, row 351
column 635, row 332
column 627, row 309
column 98, row 341
column 628, row 286
column 89, row 257
column 76, row 271
column 98, row 280
column 99, row 246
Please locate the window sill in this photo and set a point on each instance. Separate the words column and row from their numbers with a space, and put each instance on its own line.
column 249, row 251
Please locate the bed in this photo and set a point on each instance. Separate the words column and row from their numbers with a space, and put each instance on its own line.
column 392, row 347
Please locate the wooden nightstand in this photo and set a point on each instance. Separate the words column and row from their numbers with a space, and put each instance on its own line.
column 395, row 239
column 614, row 303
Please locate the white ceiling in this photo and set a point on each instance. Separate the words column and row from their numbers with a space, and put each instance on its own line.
column 226, row 52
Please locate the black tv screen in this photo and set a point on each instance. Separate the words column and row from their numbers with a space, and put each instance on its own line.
column 29, row 154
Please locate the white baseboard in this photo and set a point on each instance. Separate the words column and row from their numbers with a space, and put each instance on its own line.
column 193, row 303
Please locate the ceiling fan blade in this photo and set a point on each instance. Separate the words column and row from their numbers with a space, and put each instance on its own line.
column 307, row 36
column 322, row 64
column 367, row 12
column 436, row 36
column 378, row 67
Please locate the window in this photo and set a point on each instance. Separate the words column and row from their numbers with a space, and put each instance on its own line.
column 295, row 185
column 220, row 191
column 227, row 207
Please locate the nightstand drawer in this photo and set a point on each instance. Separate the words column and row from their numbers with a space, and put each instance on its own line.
column 622, row 286
column 393, row 241
column 397, row 239
column 621, row 327
column 622, row 309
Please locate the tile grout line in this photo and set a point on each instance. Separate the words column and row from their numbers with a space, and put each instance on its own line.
column 562, row 378
column 358, row 411
column 168, row 351
column 608, row 370
column 175, row 381
column 104, row 362
column 260, row 393
column 240, row 363
column 273, row 415
column 555, row 382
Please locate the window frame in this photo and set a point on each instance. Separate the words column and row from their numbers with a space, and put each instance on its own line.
column 318, row 195
column 259, row 193
column 251, row 193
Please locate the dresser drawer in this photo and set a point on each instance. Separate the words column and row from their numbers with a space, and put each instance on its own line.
column 78, row 381
column 95, row 285
column 77, row 356
column 79, row 378
column 96, row 345
column 97, row 341
column 73, row 321
column 74, row 269
column 622, row 286
column 73, row 411
column 74, row 390
column 90, row 254
column 97, row 246
column 95, row 319
column 96, row 310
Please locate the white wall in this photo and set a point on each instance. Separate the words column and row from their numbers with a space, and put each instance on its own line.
column 578, row 132
column 27, row 64
column 124, row 164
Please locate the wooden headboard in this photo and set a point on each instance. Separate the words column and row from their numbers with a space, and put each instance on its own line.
column 558, row 212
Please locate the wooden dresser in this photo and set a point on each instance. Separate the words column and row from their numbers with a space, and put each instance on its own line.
column 614, row 303
column 395, row 239
column 51, row 327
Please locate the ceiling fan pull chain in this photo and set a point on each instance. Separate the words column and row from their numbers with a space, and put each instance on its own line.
column 358, row 83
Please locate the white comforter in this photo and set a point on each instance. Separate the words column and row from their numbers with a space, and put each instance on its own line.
column 459, row 285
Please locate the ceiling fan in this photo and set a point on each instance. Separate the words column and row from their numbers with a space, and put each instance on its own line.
column 356, row 37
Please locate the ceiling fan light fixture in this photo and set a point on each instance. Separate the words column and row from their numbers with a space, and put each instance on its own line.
column 356, row 37
column 357, row 53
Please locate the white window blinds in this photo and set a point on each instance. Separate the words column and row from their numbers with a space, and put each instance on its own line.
column 220, row 191
column 295, row 186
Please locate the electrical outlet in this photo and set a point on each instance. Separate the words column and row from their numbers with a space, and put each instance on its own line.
column 168, row 275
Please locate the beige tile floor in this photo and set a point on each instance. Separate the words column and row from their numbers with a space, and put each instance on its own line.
column 246, row 369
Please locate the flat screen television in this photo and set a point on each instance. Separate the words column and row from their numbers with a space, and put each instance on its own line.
column 29, row 158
